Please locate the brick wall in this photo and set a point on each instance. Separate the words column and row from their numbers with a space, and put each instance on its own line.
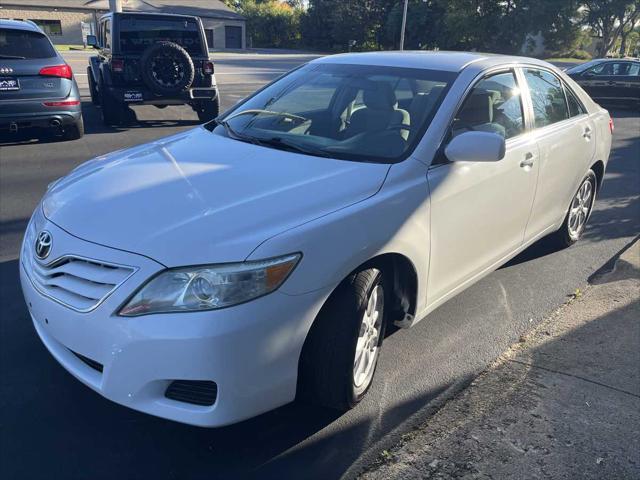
column 70, row 21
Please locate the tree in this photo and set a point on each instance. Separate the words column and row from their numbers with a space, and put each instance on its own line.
column 611, row 20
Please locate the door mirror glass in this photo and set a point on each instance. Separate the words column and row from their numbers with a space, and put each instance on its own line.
column 476, row 147
column 92, row 41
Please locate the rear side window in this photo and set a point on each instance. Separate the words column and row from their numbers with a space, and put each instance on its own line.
column 23, row 44
column 547, row 97
column 494, row 105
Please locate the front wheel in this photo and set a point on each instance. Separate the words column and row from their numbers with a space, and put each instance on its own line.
column 341, row 352
column 578, row 213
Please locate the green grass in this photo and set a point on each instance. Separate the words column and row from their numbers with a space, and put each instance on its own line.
column 565, row 60
column 66, row 48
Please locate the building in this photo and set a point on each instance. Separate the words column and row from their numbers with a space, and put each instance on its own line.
column 69, row 21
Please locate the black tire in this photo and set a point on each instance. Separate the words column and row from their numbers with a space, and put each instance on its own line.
column 326, row 370
column 75, row 131
column 564, row 237
column 208, row 110
column 112, row 110
column 167, row 68
column 92, row 88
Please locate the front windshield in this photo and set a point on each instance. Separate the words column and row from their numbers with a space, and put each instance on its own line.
column 351, row 112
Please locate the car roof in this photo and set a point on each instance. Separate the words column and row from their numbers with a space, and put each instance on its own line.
column 19, row 25
column 429, row 60
column 148, row 14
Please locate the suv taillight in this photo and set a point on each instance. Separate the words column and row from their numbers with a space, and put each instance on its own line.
column 117, row 65
column 207, row 67
column 62, row 71
column 611, row 127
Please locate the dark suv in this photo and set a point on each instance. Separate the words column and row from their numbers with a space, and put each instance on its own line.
column 37, row 88
column 152, row 59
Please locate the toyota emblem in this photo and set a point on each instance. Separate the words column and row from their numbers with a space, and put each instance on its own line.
column 43, row 245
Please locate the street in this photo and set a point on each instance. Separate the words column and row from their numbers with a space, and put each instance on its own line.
column 51, row 426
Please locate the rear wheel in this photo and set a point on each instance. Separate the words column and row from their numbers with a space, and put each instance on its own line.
column 578, row 213
column 92, row 87
column 341, row 352
column 112, row 111
column 208, row 110
column 75, row 131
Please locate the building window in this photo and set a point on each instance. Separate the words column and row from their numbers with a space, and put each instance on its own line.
column 50, row 27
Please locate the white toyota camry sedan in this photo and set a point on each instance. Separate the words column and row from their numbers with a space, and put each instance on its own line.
column 224, row 271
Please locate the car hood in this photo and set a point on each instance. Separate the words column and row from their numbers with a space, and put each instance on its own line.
column 199, row 197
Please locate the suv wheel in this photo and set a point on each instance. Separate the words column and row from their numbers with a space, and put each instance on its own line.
column 75, row 131
column 92, row 88
column 207, row 110
column 167, row 68
column 112, row 111
column 340, row 355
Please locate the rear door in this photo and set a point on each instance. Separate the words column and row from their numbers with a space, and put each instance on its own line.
column 566, row 138
column 23, row 54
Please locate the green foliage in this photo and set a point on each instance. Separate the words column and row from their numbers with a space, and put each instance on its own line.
column 270, row 23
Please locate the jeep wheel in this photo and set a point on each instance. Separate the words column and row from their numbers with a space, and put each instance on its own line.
column 207, row 110
column 167, row 68
column 112, row 110
column 92, row 88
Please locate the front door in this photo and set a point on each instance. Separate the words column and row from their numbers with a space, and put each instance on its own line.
column 479, row 210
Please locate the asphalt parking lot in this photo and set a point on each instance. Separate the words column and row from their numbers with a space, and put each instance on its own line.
column 51, row 426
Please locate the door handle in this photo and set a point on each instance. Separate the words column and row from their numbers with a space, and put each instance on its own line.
column 587, row 133
column 528, row 160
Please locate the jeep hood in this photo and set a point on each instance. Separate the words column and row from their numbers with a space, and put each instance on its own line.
column 199, row 197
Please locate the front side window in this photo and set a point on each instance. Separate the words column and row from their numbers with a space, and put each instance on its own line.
column 23, row 44
column 547, row 97
column 494, row 105
column 351, row 112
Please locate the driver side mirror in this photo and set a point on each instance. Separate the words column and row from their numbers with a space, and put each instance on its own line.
column 476, row 147
column 92, row 41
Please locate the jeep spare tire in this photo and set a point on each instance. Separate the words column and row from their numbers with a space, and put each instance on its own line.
column 167, row 68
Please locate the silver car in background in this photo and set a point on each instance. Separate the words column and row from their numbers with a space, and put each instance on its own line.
column 37, row 88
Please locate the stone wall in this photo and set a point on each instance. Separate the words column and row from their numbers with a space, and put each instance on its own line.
column 69, row 20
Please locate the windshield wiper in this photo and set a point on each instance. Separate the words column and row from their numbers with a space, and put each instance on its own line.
column 12, row 57
column 278, row 142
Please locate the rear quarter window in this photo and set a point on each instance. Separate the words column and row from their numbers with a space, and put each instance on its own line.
column 24, row 44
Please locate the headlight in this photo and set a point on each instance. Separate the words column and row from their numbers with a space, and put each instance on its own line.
column 209, row 287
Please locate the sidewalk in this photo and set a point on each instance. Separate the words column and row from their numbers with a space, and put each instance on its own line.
column 563, row 403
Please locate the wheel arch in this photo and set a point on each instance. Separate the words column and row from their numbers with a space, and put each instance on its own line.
column 598, row 169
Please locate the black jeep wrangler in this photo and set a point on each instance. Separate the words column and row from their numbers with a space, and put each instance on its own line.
column 152, row 59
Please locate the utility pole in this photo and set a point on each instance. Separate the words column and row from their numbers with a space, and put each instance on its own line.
column 115, row 5
column 404, row 23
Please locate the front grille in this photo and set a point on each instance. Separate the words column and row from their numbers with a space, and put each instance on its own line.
column 92, row 363
column 197, row 392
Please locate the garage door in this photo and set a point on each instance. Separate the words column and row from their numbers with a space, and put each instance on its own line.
column 209, row 34
column 232, row 37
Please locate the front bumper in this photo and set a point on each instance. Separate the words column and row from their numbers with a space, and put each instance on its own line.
column 250, row 351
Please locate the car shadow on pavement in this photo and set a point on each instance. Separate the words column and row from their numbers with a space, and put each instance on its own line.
column 52, row 423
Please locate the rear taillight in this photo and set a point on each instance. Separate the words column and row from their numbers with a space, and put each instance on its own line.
column 62, row 71
column 64, row 103
column 207, row 67
column 611, row 127
column 117, row 65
